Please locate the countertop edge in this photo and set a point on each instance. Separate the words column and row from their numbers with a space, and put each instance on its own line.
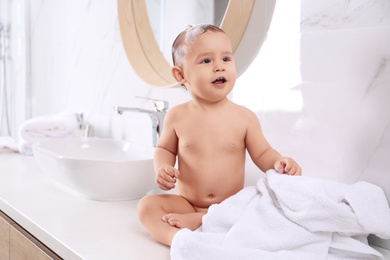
column 38, row 232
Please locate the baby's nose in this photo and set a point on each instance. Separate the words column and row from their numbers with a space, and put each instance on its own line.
column 218, row 68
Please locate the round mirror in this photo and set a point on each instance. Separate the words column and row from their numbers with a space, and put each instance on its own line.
column 167, row 22
column 144, row 52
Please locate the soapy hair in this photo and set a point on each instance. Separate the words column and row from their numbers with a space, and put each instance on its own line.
column 182, row 44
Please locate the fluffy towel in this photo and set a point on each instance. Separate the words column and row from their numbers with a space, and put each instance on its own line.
column 43, row 127
column 288, row 217
column 8, row 144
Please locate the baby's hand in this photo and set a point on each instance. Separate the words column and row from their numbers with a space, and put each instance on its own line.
column 288, row 166
column 166, row 177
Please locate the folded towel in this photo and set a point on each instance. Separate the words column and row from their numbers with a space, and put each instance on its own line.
column 25, row 147
column 8, row 144
column 43, row 127
column 286, row 217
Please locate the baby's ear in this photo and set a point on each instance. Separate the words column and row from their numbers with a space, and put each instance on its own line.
column 177, row 73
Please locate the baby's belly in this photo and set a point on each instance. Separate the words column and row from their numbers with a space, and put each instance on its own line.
column 202, row 194
column 210, row 177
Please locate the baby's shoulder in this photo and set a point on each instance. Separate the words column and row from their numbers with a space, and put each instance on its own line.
column 243, row 111
column 178, row 110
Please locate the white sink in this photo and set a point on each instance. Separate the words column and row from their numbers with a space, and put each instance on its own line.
column 96, row 168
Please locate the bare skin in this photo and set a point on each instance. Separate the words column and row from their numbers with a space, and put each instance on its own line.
column 209, row 136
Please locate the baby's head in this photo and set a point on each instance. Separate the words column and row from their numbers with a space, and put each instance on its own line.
column 182, row 45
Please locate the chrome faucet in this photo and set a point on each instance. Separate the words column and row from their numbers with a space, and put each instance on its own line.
column 157, row 116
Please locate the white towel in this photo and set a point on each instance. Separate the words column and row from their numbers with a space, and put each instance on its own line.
column 43, row 127
column 286, row 217
column 8, row 144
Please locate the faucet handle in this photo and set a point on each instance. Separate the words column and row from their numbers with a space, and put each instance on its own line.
column 159, row 105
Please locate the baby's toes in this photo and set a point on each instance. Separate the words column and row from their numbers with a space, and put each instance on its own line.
column 173, row 220
column 170, row 219
column 165, row 218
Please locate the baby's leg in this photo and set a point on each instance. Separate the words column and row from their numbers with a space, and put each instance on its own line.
column 151, row 210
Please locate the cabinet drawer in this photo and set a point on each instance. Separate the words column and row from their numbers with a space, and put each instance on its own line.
column 17, row 244
column 24, row 246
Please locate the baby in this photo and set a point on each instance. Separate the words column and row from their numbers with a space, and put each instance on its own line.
column 209, row 135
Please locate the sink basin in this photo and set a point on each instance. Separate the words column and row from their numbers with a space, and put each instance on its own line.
column 97, row 168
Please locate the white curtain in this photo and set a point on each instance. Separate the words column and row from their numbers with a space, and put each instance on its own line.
column 14, row 65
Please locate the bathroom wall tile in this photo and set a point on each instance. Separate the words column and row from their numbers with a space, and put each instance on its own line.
column 319, row 15
column 78, row 61
column 345, row 91
column 322, row 98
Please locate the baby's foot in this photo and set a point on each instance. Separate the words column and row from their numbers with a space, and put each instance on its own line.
column 188, row 220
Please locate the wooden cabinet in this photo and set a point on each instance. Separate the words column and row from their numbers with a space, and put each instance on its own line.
column 17, row 244
column 4, row 236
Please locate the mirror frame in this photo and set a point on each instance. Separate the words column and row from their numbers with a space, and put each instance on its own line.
column 141, row 46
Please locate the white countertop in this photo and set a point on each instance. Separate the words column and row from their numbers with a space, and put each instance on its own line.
column 73, row 227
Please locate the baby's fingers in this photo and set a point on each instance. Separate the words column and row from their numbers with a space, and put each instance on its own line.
column 163, row 184
column 288, row 166
column 295, row 170
column 292, row 168
column 170, row 172
column 165, row 177
column 279, row 166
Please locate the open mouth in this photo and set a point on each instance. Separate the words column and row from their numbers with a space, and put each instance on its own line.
column 219, row 80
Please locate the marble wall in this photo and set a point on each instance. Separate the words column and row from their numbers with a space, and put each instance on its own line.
column 321, row 85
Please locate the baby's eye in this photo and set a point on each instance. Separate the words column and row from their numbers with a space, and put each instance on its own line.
column 226, row 59
column 206, row 61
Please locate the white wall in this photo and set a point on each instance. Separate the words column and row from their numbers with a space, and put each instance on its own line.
column 320, row 84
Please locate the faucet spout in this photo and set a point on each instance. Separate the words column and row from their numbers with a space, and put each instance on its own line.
column 119, row 110
column 157, row 118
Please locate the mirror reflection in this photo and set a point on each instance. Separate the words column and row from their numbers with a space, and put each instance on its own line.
column 167, row 23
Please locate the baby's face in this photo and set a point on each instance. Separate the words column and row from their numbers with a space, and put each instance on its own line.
column 209, row 67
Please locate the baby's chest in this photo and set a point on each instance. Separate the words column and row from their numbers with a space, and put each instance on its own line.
column 216, row 138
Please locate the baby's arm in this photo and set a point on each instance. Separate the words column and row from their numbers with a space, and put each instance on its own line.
column 165, row 155
column 261, row 152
